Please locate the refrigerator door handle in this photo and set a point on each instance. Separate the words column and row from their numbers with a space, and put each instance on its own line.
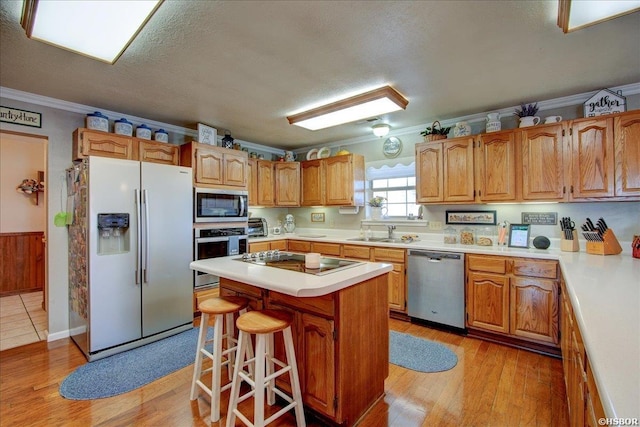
column 139, row 234
column 145, row 271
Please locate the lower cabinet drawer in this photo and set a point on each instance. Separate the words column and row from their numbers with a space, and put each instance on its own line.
column 357, row 252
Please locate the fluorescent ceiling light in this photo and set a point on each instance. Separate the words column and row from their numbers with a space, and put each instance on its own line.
column 576, row 14
column 100, row 29
column 379, row 101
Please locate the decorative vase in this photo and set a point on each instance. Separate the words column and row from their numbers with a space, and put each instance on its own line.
column 529, row 121
column 462, row 129
column 493, row 122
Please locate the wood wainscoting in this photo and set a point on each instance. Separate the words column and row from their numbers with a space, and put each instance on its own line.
column 21, row 262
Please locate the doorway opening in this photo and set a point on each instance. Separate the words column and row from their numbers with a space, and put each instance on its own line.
column 23, row 235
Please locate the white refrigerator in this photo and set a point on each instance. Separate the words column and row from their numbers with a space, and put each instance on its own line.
column 130, row 246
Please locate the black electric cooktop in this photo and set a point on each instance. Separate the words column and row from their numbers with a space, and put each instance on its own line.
column 296, row 262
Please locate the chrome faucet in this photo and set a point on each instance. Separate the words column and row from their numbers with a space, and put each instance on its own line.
column 391, row 228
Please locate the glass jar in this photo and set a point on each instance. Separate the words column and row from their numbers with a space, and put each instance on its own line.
column 486, row 236
column 467, row 236
column 450, row 236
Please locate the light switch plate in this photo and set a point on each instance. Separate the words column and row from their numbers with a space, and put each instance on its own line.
column 435, row 225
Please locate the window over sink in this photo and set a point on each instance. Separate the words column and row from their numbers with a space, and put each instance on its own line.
column 397, row 184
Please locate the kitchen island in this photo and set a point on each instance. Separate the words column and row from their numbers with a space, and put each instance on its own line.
column 340, row 329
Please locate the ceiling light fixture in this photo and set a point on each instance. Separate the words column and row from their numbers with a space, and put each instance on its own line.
column 380, row 130
column 379, row 101
column 99, row 29
column 576, row 14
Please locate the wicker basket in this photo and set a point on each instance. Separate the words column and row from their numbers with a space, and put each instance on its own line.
column 434, row 136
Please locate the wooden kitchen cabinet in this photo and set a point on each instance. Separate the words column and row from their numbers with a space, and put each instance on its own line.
column 514, row 297
column 626, row 133
column 329, row 345
column 22, row 262
column 89, row 142
column 252, row 182
column 158, row 152
column 215, row 167
column 543, row 166
column 313, row 193
column 496, row 167
column 592, row 157
column 445, row 171
column 199, row 296
column 583, row 400
column 299, row 246
column 268, row 246
column 287, row 183
column 274, row 183
column 344, row 180
column 397, row 278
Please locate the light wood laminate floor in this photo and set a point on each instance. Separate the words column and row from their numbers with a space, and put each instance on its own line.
column 492, row 385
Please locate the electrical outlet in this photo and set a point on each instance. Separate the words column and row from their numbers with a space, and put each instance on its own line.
column 332, row 223
column 435, row 225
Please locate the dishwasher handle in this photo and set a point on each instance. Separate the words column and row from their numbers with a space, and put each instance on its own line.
column 436, row 256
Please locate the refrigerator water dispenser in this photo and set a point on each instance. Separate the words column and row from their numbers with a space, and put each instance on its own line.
column 113, row 233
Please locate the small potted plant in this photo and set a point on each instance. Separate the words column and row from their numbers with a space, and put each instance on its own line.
column 527, row 114
column 433, row 133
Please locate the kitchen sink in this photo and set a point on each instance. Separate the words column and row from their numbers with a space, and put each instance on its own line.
column 378, row 239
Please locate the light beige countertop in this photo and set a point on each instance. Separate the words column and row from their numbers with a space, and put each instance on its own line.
column 290, row 282
column 604, row 292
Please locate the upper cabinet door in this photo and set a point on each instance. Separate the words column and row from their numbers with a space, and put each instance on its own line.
column 457, row 161
column 542, row 166
column 208, row 166
column 497, row 167
column 313, row 183
column 235, row 170
column 627, row 147
column 339, row 181
column 287, row 180
column 266, row 196
column 429, row 178
column 252, row 181
column 592, row 158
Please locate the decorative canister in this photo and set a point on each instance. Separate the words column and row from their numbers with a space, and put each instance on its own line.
column 123, row 127
column 98, row 121
column 161, row 135
column 467, row 236
column 143, row 131
column 529, row 121
column 485, row 236
column 450, row 236
column 462, row 129
column 493, row 122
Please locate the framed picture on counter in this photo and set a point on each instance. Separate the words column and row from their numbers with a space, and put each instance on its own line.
column 471, row 217
column 317, row 217
column 519, row 235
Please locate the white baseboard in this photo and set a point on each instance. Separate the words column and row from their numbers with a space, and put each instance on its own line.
column 58, row 336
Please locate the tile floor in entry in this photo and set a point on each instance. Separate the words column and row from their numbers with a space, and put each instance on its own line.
column 22, row 320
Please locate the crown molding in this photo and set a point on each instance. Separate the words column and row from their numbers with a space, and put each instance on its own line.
column 58, row 104
column 551, row 104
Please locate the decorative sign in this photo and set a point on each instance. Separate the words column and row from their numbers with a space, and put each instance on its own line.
column 20, row 117
column 540, row 218
column 207, row 134
column 605, row 102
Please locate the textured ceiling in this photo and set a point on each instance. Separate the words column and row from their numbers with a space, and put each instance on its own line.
column 245, row 65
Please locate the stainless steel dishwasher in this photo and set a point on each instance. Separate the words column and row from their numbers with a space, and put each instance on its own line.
column 436, row 287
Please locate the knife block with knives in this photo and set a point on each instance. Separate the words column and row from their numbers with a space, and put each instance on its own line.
column 570, row 245
column 569, row 239
column 600, row 238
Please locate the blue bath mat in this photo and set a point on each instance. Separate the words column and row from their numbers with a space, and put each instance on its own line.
column 131, row 369
column 419, row 354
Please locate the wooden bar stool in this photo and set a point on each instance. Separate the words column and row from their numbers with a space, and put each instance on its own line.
column 220, row 308
column 264, row 324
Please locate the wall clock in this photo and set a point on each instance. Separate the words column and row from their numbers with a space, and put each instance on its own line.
column 392, row 147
